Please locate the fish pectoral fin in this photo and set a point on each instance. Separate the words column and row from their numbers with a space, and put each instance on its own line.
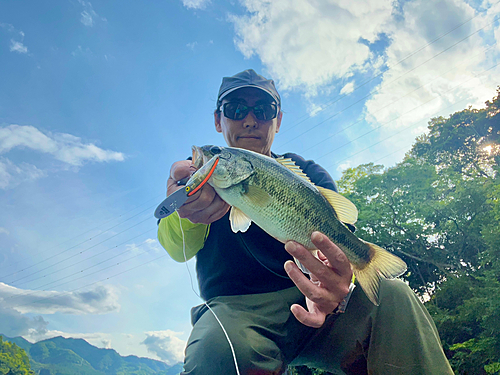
column 239, row 221
column 301, row 266
column 257, row 196
column 345, row 209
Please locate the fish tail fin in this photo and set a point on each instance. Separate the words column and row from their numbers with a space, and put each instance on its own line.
column 382, row 264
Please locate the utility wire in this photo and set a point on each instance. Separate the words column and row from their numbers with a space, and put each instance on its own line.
column 91, row 257
column 405, row 128
column 38, row 289
column 81, row 252
column 394, row 102
column 78, row 244
column 99, row 281
column 413, row 53
column 388, row 83
column 381, row 73
column 79, row 235
column 302, row 134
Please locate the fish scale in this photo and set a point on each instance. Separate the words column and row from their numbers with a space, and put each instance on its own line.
column 280, row 199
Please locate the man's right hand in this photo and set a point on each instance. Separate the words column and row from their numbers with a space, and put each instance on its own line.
column 205, row 206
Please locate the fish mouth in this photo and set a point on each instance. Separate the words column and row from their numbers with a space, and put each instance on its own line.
column 199, row 158
column 201, row 155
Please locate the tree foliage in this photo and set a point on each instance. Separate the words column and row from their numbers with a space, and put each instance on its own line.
column 439, row 210
column 13, row 359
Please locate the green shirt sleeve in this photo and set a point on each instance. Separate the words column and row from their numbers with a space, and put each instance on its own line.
column 172, row 239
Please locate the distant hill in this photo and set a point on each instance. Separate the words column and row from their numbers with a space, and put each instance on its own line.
column 61, row 356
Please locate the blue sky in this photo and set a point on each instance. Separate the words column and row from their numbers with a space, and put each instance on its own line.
column 98, row 99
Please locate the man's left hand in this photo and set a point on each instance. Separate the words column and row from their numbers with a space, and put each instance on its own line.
column 331, row 277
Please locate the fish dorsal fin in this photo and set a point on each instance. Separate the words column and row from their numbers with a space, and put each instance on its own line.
column 345, row 209
column 290, row 164
column 239, row 221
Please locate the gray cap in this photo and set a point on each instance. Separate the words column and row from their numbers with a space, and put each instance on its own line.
column 247, row 78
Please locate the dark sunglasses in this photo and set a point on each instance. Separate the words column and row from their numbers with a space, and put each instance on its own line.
column 238, row 111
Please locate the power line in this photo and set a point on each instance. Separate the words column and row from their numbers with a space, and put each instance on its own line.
column 81, row 234
column 388, row 83
column 390, row 104
column 91, row 257
column 292, row 139
column 338, row 162
column 81, row 271
column 78, row 244
column 381, row 73
column 99, row 281
column 130, row 269
column 81, row 252
column 405, row 128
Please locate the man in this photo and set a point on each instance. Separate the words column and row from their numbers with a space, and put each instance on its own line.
column 270, row 314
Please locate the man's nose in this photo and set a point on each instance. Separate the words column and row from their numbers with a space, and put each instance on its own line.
column 250, row 121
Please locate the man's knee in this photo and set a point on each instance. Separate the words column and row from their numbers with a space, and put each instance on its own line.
column 209, row 351
column 395, row 291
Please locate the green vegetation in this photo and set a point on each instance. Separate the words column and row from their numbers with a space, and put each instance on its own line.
column 439, row 210
column 13, row 359
column 61, row 356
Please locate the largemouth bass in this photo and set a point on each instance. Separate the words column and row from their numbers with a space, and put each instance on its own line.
column 277, row 196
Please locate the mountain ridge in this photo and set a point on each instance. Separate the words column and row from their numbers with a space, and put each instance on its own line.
column 68, row 356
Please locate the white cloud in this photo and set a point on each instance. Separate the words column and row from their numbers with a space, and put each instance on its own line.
column 12, row 175
column 71, row 150
column 99, row 300
column 63, row 147
column 79, row 51
column 166, row 345
column 87, row 19
column 424, row 86
column 88, row 16
column 148, row 245
column 191, row 46
column 308, row 44
column 16, row 46
column 347, row 89
column 313, row 109
column 16, row 42
column 13, row 323
column 343, row 166
column 195, row 4
column 4, row 231
column 25, row 136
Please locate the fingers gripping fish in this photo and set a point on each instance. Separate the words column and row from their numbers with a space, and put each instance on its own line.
column 280, row 199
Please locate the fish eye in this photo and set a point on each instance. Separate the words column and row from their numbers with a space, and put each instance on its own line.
column 215, row 150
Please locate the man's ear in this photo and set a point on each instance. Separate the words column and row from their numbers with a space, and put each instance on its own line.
column 280, row 115
column 217, row 119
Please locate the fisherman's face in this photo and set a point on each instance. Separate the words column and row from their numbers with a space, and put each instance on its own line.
column 249, row 133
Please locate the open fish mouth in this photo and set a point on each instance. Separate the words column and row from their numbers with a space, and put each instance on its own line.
column 201, row 155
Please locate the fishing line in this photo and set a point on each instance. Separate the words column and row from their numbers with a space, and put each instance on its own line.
column 205, row 303
column 258, row 260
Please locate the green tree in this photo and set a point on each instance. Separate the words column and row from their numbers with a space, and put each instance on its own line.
column 13, row 359
column 439, row 210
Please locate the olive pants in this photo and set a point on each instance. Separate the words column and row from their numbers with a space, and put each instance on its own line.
column 396, row 337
